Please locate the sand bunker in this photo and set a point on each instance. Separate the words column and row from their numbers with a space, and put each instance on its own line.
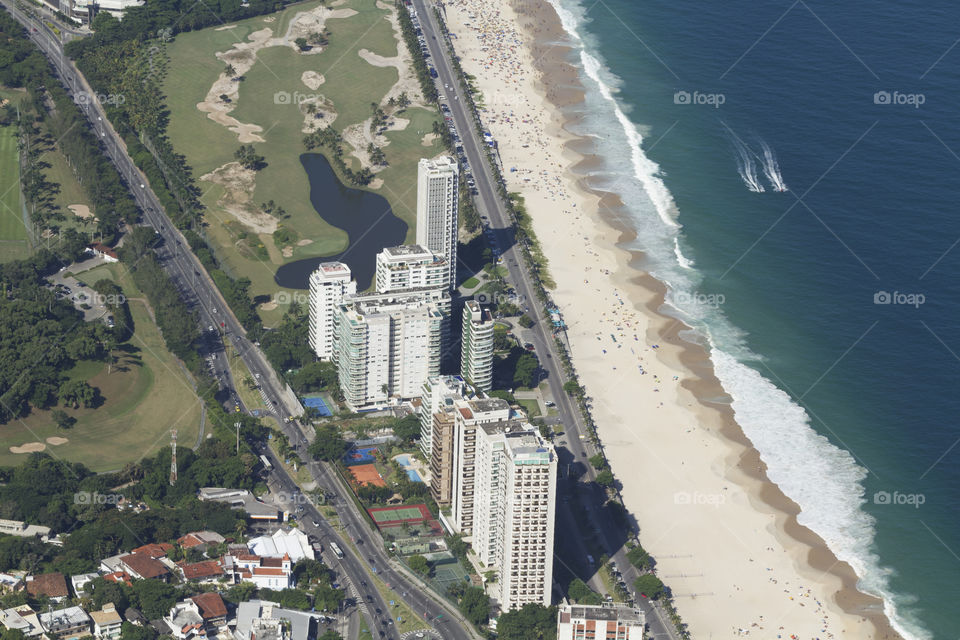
column 312, row 79
column 268, row 306
column 304, row 242
column 428, row 139
column 238, row 184
column 30, row 447
column 57, row 440
column 225, row 27
column 287, row 252
column 82, row 211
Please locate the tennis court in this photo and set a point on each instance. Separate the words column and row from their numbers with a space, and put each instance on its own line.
column 362, row 455
column 386, row 516
column 316, row 402
column 446, row 570
column 367, row 474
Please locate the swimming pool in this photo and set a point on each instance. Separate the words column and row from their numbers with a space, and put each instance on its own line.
column 403, row 461
column 413, row 475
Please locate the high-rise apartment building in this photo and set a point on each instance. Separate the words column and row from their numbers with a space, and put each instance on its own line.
column 476, row 346
column 385, row 346
column 515, row 492
column 437, row 206
column 329, row 285
column 468, row 416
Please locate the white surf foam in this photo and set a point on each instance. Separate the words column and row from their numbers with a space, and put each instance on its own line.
column 771, row 168
column 746, row 165
column 823, row 479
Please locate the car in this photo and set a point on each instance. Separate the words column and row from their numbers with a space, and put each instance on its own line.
column 315, row 523
column 550, row 403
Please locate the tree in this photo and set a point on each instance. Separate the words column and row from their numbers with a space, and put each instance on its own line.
column 649, row 585
column 525, row 371
column 599, row 462
column 407, row 428
column 580, row 593
column 532, row 622
column 328, row 445
column 326, row 598
column 639, row 558
column 605, row 478
column 419, row 565
column 525, row 321
column 130, row 631
column 301, row 44
column 230, row 71
column 77, row 393
column 155, row 598
column 249, row 158
column 330, row 634
column 475, row 605
column 62, row 420
column 224, row 98
column 573, row 388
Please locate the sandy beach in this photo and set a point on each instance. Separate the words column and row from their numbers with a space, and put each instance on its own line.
column 726, row 539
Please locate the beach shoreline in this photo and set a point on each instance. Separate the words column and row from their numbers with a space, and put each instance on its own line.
column 689, row 421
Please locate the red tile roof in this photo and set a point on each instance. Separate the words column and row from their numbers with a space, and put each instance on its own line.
column 53, row 585
column 205, row 569
column 102, row 248
column 211, row 605
column 144, row 566
column 119, row 576
column 268, row 571
column 154, row 550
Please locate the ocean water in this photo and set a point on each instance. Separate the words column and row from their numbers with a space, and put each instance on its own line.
column 792, row 170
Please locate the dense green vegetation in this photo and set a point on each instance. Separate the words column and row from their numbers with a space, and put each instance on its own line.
column 531, row 622
column 413, row 45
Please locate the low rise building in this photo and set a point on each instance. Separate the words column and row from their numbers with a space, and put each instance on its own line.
column 52, row 585
column 263, row 620
column 205, row 571
column 292, row 543
column 79, row 581
column 22, row 529
column 266, row 573
column 213, row 610
column 71, row 622
column 200, row 540
column 106, row 622
column 143, row 567
column 240, row 499
column 23, row 619
column 600, row 622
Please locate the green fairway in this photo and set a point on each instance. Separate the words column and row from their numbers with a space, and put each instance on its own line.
column 14, row 243
column 350, row 84
column 146, row 395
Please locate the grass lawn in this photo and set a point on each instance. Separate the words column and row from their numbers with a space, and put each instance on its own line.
column 470, row 283
column 531, row 406
column 208, row 145
column 70, row 190
column 14, row 244
column 146, row 395
column 251, row 398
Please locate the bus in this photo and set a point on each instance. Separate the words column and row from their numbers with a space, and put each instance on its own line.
column 336, row 550
column 266, row 463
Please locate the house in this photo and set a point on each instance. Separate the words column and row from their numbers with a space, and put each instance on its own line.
column 23, row 619
column 71, row 622
column 134, row 616
column 52, row 585
column 240, row 499
column 79, row 581
column 10, row 582
column 103, row 251
column 154, row 550
column 213, row 610
column 202, row 616
column 206, row 571
column 144, row 567
column 268, row 573
column 22, row 529
column 263, row 620
column 293, row 543
column 200, row 539
column 119, row 576
column 106, row 622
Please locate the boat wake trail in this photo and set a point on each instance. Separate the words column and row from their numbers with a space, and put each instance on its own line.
column 746, row 164
column 771, row 168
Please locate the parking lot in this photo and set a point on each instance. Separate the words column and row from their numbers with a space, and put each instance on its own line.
column 78, row 291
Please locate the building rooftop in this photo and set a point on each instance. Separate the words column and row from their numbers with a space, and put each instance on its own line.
column 53, row 585
column 254, row 618
column 486, row 405
column 334, row 269
column 293, row 543
column 108, row 615
column 144, row 566
column 54, row 621
column 505, row 427
column 407, row 250
column 211, row 605
column 205, row 569
column 604, row 612
column 154, row 550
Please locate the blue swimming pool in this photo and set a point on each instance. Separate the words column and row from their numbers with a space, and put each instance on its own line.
column 413, row 475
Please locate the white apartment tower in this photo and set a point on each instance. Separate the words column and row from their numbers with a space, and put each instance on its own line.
column 385, row 346
column 515, row 509
column 329, row 285
column 611, row 622
column 468, row 416
column 476, row 354
column 410, row 266
column 437, row 205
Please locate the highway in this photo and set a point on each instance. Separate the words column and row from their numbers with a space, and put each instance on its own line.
column 495, row 217
column 216, row 320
